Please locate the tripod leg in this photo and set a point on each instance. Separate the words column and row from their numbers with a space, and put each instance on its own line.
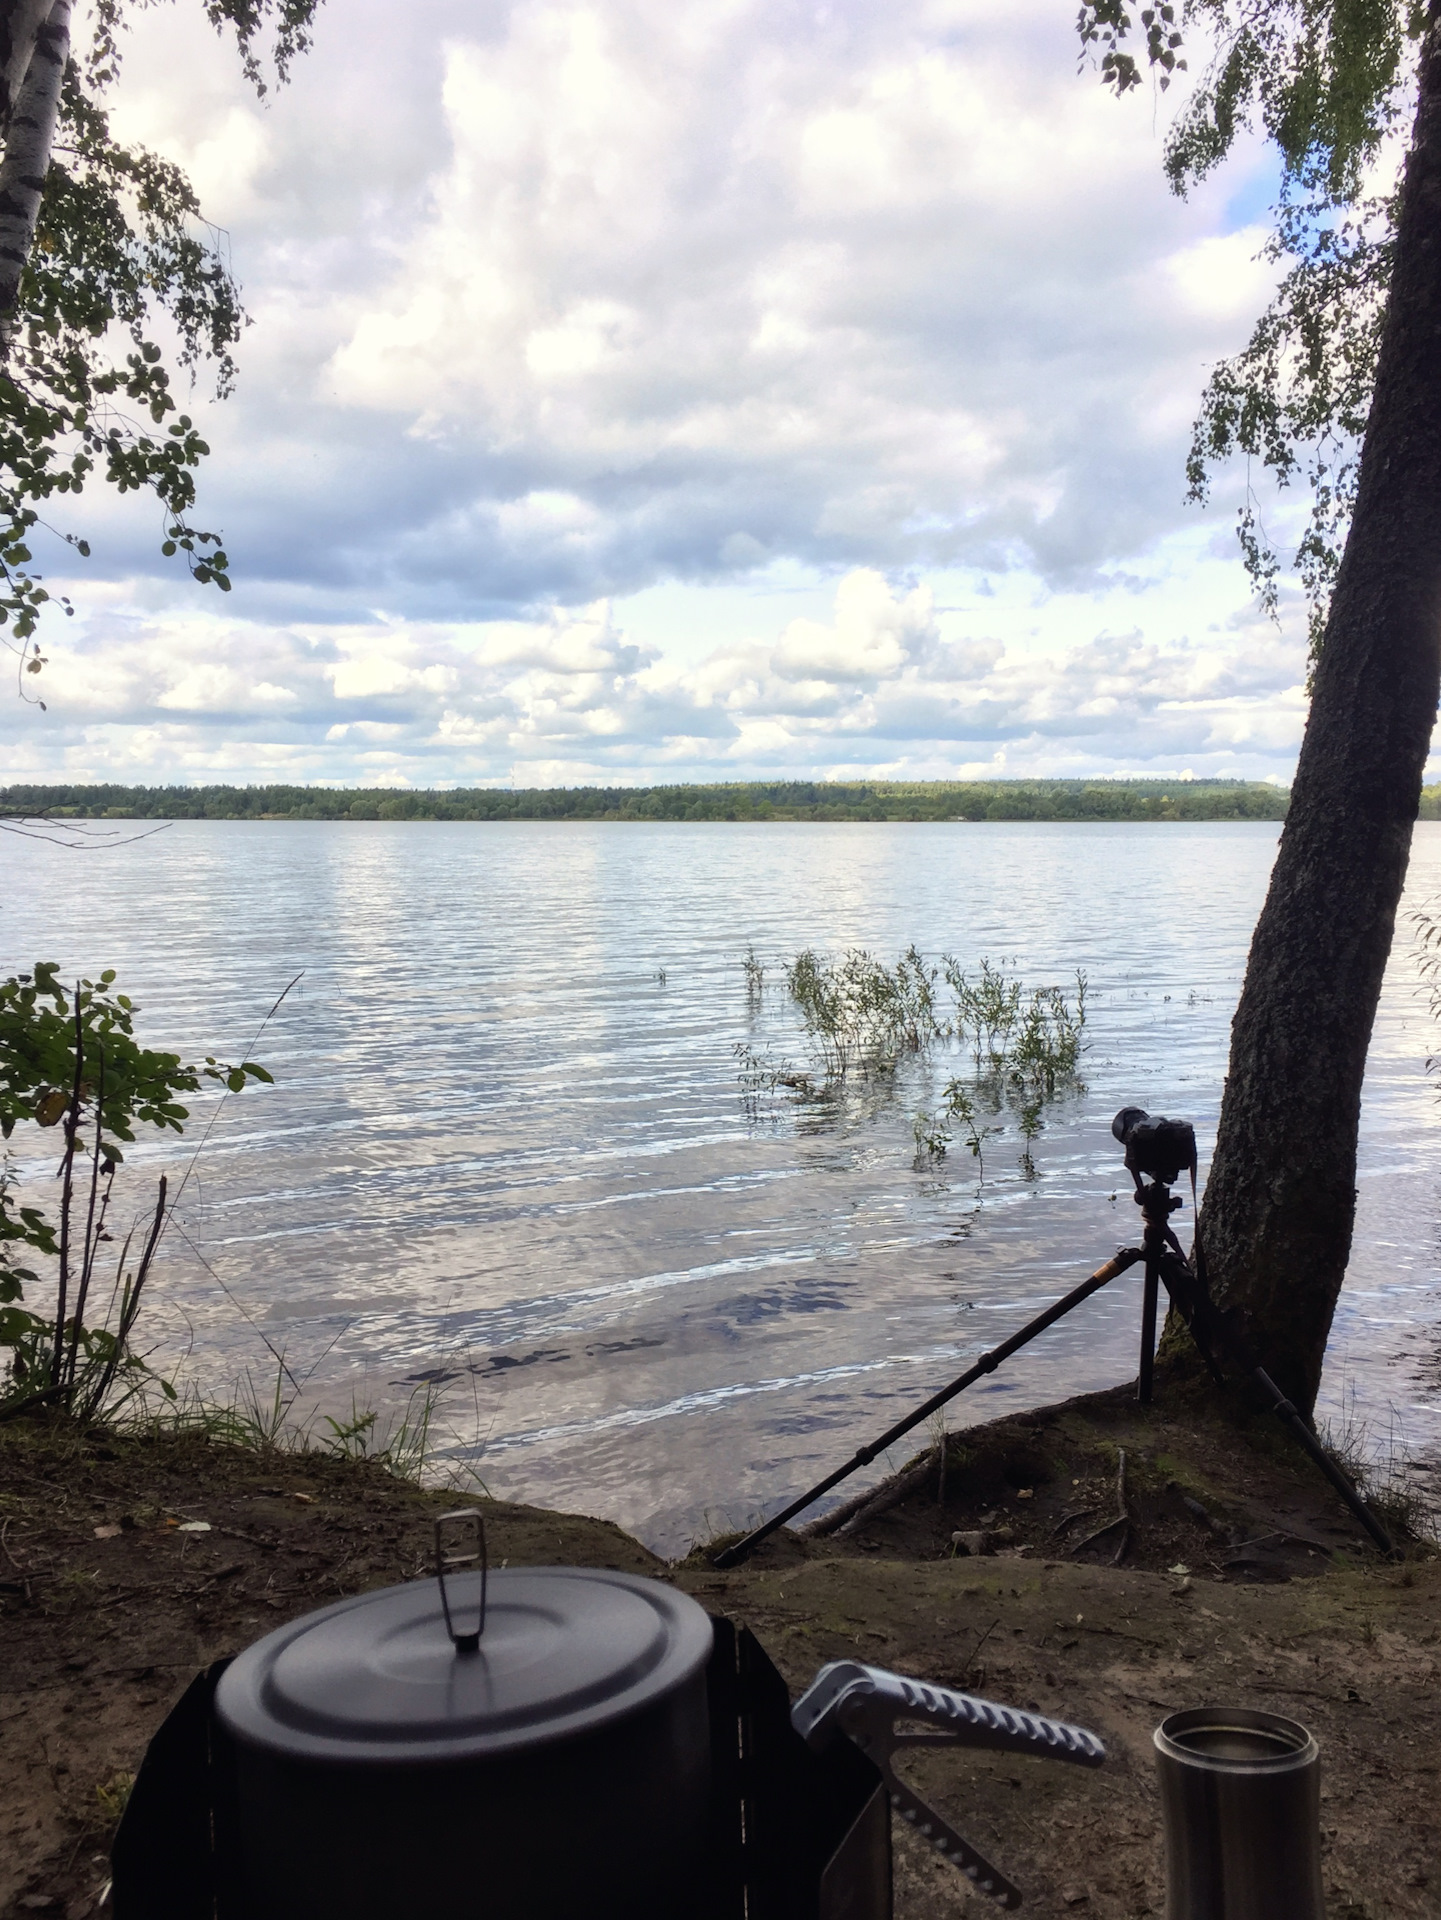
column 1148, row 1335
column 1124, row 1257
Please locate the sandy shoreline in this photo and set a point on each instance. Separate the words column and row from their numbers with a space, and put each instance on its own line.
column 108, row 1608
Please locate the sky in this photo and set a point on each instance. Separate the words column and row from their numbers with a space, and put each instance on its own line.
column 643, row 393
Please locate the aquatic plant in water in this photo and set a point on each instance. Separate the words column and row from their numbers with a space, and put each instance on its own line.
column 1427, row 957
column 1030, row 1042
column 1025, row 1052
column 935, row 1132
column 863, row 1018
column 861, row 1015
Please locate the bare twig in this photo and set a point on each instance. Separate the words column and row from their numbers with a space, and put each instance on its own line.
column 209, row 1125
column 93, row 837
column 889, row 1494
column 87, row 1256
column 277, row 1354
column 878, row 1499
column 129, row 1306
column 1125, row 1506
column 971, row 1656
column 1076, row 1513
column 67, row 1167
column 129, row 1309
column 13, row 1408
column 1121, row 1519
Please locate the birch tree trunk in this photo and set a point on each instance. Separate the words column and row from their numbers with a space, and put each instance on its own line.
column 1280, row 1202
column 19, row 22
column 27, row 156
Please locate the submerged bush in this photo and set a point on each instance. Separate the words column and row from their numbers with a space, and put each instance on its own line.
column 862, row 1017
column 1029, row 1043
column 860, row 1014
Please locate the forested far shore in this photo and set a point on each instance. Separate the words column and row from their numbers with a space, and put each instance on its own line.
column 976, row 800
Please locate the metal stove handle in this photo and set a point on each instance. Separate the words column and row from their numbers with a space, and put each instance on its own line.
column 944, row 1838
column 867, row 1704
column 450, row 1559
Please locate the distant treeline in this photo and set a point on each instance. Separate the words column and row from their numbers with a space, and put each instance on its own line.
column 749, row 800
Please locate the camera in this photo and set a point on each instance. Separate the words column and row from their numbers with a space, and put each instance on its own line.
column 1155, row 1146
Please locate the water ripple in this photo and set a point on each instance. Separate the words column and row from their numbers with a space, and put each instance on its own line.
column 501, row 1156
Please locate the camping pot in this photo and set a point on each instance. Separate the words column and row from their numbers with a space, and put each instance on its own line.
column 1241, row 1803
column 531, row 1743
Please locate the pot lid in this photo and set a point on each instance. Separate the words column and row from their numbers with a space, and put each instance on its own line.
column 565, row 1651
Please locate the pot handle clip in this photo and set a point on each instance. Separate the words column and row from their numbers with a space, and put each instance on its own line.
column 870, row 1705
column 449, row 1558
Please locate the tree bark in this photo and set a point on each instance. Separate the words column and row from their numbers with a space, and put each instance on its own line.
column 1281, row 1199
column 27, row 156
column 19, row 22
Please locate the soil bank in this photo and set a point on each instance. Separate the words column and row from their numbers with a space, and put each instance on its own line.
column 1233, row 1575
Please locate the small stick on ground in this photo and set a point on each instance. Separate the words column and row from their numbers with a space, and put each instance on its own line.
column 1122, row 1519
column 970, row 1661
column 1077, row 1513
column 868, row 1505
column 1125, row 1505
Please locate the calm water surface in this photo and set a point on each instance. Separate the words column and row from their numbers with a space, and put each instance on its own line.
column 506, row 1157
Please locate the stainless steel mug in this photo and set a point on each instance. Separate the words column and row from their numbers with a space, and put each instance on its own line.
column 1241, row 1802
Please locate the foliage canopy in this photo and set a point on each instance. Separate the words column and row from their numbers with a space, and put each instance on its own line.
column 1329, row 82
column 125, row 287
column 70, row 1061
column 1171, row 799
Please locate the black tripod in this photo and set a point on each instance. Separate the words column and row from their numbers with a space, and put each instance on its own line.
column 1160, row 1149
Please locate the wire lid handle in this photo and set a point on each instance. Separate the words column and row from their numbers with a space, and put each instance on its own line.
column 450, row 1556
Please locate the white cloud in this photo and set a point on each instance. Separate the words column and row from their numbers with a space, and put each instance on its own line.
column 889, row 683
column 561, row 304
column 578, row 297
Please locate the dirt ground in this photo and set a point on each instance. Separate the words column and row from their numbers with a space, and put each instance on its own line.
column 1234, row 1575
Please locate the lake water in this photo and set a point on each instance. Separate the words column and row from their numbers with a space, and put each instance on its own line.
column 505, row 1157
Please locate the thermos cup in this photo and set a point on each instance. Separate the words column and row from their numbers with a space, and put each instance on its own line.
column 1241, row 1804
